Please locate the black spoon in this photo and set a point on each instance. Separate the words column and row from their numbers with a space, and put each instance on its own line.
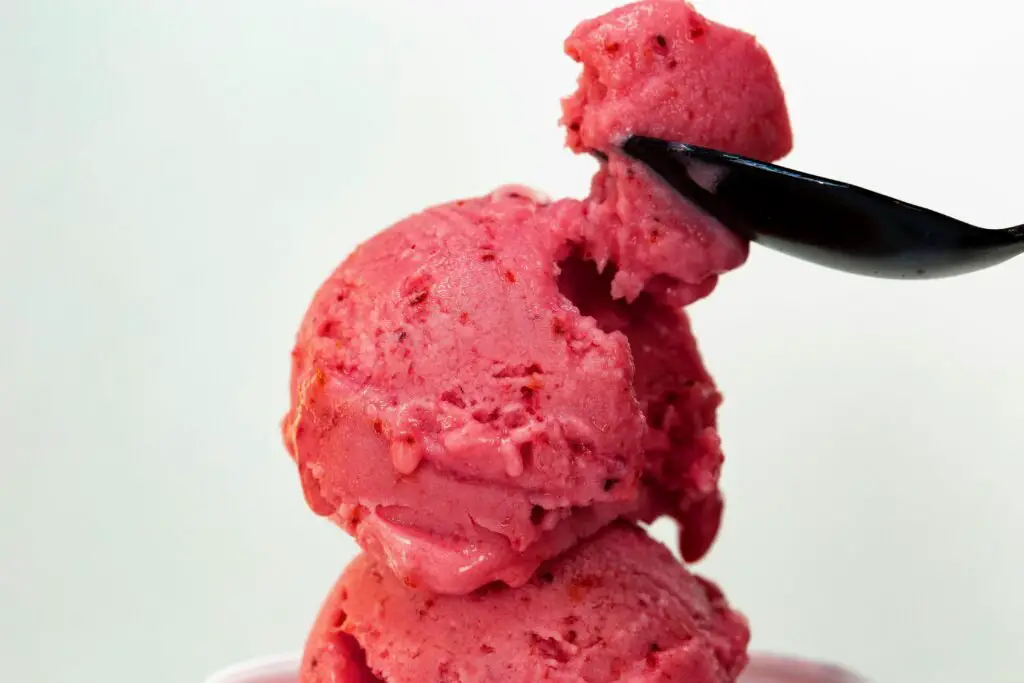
column 824, row 221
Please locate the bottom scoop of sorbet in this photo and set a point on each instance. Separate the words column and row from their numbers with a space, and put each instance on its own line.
column 617, row 608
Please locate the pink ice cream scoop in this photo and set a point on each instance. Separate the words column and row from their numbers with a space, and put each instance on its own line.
column 481, row 385
column 616, row 608
column 469, row 399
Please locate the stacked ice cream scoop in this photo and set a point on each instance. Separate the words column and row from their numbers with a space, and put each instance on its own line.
column 491, row 394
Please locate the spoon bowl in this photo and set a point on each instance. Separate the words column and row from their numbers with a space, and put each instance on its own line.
column 824, row 221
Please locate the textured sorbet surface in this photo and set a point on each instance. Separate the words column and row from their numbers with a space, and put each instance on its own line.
column 663, row 70
column 616, row 608
column 481, row 385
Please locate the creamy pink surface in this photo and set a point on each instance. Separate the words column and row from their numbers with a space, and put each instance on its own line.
column 483, row 384
column 616, row 608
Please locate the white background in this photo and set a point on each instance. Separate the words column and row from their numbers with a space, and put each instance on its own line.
column 177, row 176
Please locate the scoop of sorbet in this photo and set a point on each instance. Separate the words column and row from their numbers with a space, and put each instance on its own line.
column 484, row 383
column 617, row 608
column 660, row 69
